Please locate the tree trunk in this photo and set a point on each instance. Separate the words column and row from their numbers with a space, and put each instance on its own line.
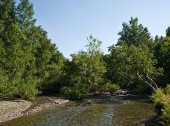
column 148, row 81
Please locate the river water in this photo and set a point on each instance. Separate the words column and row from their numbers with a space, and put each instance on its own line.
column 103, row 111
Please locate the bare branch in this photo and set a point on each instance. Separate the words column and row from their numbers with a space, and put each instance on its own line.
column 146, row 82
column 152, row 81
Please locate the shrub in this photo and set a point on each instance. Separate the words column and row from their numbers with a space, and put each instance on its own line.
column 165, row 117
column 72, row 93
column 162, row 98
column 109, row 87
column 159, row 97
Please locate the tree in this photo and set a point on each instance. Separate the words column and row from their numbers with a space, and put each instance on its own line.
column 131, row 60
column 88, row 67
column 29, row 62
column 134, row 34
column 90, row 63
column 7, row 11
column 25, row 14
column 130, row 63
column 162, row 54
column 168, row 31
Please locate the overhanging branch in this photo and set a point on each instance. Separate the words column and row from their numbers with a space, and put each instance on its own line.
column 148, row 81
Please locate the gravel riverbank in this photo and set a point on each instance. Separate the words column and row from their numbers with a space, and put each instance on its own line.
column 13, row 109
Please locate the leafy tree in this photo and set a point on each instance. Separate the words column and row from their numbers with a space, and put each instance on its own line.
column 18, row 64
column 162, row 54
column 87, row 67
column 25, row 14
column 7, row 10
column 90, row 65
column 134, row 33
column 168, row 31
column 131, row 60
column 129, row 64
column 29, row 62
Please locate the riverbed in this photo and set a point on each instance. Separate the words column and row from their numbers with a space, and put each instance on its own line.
column 94, row 111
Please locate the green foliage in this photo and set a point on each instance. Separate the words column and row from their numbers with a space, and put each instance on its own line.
column 165, row 117
column 168, row 31
column 88, row 67
column 138, row 87
column 72, row 93
column 159, row 96
column 29, row 62
column 131, row 60
column 134, row 33
column 162, row 54
column 85, row 73
column 109, row 87
column 128, row 63
column 25, row 14
column 162, row 97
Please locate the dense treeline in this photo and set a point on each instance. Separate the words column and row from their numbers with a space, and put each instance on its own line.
column 31, row 64
column 28, row 60
column 136, row 62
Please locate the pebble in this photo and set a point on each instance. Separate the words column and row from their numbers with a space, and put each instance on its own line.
column 13, row 109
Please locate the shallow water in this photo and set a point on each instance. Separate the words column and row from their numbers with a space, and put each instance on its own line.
column 105, row 111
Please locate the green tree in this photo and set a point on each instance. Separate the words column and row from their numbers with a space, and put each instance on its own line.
column 87, row 69
column 131, row 60
column 48, row 61
column 168, row 31
column 89, row 65
column 25, row 14
column 7, row 11
column 29, row 62
column 129, row 64
column 134, row 33
column 162, row 54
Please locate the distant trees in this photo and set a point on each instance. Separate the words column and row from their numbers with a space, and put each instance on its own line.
column 31, row 64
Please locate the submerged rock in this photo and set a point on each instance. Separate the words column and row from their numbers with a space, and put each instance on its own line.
column 121, row 92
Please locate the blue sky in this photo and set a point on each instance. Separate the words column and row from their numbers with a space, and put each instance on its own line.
column 69, row 22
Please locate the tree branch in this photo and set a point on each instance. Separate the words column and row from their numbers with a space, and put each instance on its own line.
column 146, row 82
column 152, row 81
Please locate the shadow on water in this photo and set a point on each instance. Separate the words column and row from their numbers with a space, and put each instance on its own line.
column 102, row 111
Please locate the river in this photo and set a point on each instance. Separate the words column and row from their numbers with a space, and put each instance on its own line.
column 100, row 111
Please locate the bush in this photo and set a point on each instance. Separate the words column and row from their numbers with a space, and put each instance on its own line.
column 72, row 93
column 161, row 98
column 109, row 87
column 165, row 117
column 167, row 90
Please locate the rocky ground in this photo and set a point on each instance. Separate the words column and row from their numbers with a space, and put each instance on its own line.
column 17, row 108
column 12, row 109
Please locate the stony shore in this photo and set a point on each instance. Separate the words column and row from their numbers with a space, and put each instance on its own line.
column 13, row 109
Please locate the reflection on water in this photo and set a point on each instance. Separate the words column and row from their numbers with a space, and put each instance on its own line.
column 108, row 111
